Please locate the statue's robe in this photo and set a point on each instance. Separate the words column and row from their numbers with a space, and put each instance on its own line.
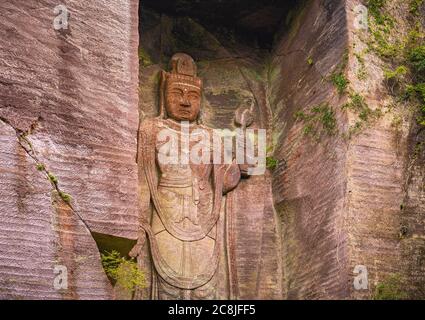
column 183, row 216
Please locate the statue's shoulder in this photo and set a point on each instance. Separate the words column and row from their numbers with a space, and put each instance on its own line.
column 148, row 125
column 205, row 127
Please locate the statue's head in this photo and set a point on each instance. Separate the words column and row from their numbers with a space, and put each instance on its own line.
column 181, row 90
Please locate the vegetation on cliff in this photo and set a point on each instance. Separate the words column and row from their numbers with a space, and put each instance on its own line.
column 391, row 288
column 405, row 54
column 122, row 271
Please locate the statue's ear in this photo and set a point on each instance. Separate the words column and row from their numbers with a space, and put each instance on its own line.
column 199, row 119
column 162, row 82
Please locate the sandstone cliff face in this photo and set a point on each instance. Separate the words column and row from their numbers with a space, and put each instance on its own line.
column 385, row 169
column 353, row 196
column 40, row 233
column 310, row 191
column 73, row 95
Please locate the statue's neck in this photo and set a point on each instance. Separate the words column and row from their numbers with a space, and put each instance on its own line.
column 177, row 124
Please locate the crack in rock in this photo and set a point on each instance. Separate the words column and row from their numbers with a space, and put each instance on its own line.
column 26, row 144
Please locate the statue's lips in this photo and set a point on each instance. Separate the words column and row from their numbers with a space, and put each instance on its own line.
column 185, row 112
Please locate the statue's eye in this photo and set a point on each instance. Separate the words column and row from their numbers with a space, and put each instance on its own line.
column 177, row 93
column 193, row 96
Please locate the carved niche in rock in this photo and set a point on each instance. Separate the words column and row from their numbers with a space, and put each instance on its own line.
column 184, row 185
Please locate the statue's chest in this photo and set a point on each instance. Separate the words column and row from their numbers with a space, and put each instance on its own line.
column 182, row 158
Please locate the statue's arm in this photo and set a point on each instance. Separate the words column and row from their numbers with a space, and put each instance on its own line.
column 231, row 178
column 144, row 199
column 233, row 174
column 244, row 170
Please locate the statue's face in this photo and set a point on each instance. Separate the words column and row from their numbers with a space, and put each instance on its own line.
column 183, row 101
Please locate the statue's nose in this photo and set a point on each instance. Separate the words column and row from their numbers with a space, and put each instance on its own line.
column 185, row 102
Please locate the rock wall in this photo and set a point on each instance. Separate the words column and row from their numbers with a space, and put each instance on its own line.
column 309, row 187
column 353, row 196
column 348, row 189
column 386, row 167
column 69, row 109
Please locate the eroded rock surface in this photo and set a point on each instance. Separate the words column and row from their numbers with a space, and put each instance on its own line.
column 73, row 93
column 41, row 234
column 310, row 191
column 69, row 101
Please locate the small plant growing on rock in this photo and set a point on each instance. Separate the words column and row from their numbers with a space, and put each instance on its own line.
column 417, row 60
column 406, row 51
column 310, row 61
column 338, row 76
column 418, row 92
column 390, row 289
column 123, row 272
column 52, row 178
column 394, row 78
column 271, row 163
column 144, row 58
column 320, row 119
column 358, row 105
column 340, row 82
column 414, row 6
column 40, row 167
column 362, row 72
column 65, row 197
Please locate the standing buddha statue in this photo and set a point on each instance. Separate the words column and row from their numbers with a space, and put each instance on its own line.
column 183, row 215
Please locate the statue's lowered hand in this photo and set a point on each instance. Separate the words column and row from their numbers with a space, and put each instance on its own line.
column 137, row 249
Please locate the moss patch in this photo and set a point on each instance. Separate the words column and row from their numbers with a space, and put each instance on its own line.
column 317, row 121
column 271, row 163
column 390, row 289
column 414, row 7
column 357, row 104
column 338, row 77
column 52, row 178
column 144, row 58
column 404, row 54
column 65, row 197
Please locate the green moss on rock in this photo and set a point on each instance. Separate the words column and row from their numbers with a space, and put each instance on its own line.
column 390, row 289
column 318, row 120
column 144, row 58
column 123, row 272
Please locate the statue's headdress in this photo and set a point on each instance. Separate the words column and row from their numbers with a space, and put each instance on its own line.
column 183, row 70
